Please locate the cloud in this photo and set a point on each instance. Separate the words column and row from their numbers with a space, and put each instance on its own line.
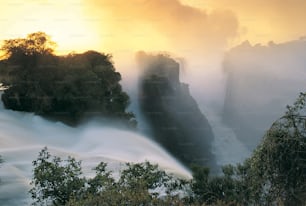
column 279, row 20
column 199, row 36
column 164, row 22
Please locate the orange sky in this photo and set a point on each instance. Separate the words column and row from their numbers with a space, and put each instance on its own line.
column 64, row 21
column 184, row 26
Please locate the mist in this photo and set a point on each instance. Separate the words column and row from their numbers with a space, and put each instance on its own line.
column 196, row 37
column 230, row 85
column 23, row 135
column 261, row 81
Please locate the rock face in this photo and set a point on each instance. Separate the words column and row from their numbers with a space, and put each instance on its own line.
column 262, row 80
column 175, row 118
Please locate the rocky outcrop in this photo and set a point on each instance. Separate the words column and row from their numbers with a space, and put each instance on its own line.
column 174, row 116
column 262, row 80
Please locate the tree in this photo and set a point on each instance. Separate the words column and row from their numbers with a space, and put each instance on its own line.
column 68, row 88
column 28, row 51
column 275, row 174
column 139, row 184
column 56, row 181
column 34, row 43
column 279, row 163
column 226, row 189
column 60, row 182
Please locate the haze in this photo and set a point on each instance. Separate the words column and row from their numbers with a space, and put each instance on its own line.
column 198, row 31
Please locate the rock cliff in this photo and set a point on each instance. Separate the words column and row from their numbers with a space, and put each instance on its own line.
column 174, row 116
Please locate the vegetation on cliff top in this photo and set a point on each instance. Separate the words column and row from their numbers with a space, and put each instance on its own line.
column 68, row 88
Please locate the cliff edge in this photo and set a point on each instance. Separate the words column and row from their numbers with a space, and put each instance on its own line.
column 174, row 116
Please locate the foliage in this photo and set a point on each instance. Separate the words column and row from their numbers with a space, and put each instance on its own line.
column 279, row 163
column 58, row 182
column 68, row 88
column 145, row 175
column 274, row 175
column 55, row 181
column 227, row 188
column 139, row 184
column 16, row 50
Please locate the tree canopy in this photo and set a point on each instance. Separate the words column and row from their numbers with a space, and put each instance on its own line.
column 279, row 162
column 69, row 88
column 61, row 182
column 34, row 43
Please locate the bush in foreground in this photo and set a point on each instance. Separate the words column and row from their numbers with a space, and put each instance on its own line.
column 61, row 182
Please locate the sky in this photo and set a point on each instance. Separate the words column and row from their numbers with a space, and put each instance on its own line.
column 159, row 25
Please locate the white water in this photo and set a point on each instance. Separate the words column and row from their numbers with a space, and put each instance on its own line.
column 23, row 135
column 226, row 147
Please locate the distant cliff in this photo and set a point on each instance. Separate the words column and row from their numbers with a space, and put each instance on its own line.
column 175, row 118
column 261, row 81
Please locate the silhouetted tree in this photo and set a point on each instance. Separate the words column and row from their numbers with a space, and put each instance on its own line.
column 34, row 43
column 68, row 88
column 26, row 51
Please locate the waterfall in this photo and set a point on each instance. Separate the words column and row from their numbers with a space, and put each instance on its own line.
column 23, row 135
